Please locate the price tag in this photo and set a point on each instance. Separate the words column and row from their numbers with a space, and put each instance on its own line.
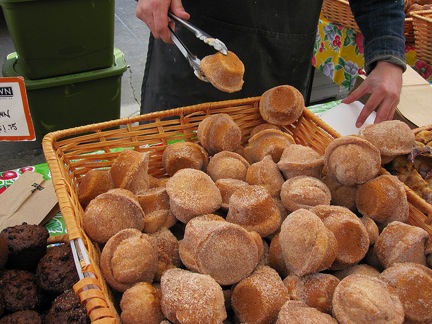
column 15, row 120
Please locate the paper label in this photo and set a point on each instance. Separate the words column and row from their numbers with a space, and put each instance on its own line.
column 15, row 120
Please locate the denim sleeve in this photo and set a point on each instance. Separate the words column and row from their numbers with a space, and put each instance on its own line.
column 382, row 25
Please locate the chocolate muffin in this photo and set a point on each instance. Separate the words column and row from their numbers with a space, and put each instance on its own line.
column 67, row 308
column 22, row 317
column 26, row 244
column 56, row 271
column 4, row 253
column 19, row 290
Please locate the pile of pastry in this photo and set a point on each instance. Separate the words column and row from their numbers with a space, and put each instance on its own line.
column 268, row 232
column 416, row 5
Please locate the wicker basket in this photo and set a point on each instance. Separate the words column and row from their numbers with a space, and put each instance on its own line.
column 422, row 22
column 73, row 152
column 339, row 12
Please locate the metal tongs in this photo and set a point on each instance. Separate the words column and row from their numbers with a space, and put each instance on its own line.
column 193, row 60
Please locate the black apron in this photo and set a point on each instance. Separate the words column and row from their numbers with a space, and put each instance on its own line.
column 273, row 38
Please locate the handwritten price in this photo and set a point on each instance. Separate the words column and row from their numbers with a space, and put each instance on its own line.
column 8, row 127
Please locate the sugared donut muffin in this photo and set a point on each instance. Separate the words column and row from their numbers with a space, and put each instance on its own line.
column 276, row 259
column 227, row 188
column 94, row 183
column 341, row 195
column 227, row 164
column 156, row 208
column 266, row 173
column 263, row 126
column 400, row 242
column 350, row 233
column 361, row 268
column 352, row 160
column 383, row 199
column 298, row 160
column 391, row 137
column 139, row 302
column 259, row 297
column 225, row 251
column 304, row 192
column 192, row 193
column 281, row 105
column 308, row 251
column 315, row 289
column 180, row 155
column 224, row 72
column 189, row 298
column 219, row 132
column 127, row 258
column 297, row 312
column 371, row 228
column 413, row 284
column 365, row 299
column 130, row 170
column 254, row 208
column 111, row 212
column 267, row 142
column 167, row 247
column 26, row 244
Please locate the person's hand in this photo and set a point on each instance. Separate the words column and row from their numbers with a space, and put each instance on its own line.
column 154, row 13
column 384, row 85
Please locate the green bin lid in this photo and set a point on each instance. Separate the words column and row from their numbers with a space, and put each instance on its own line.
column 11, row 68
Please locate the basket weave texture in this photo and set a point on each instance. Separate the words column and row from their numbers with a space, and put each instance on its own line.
column 422, row 22
column 339, row 12
column 73, row 152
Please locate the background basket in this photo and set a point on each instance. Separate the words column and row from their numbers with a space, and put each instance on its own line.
column 71, row 153
column 339, row 12
column 422, row 22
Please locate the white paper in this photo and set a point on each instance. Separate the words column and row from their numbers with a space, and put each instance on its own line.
column 342, row 118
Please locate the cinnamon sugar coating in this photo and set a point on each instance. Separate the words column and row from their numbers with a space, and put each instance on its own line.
column 281, row 105
column 141, row 301
column 225, row 251
column 298, row 160
column 94, row 183
column 352, row 160
column 365, row 299
column 304, row 192
column 266, row 173
column 350, row 233
column 268, row 292
column 227, row 164
column 227, row 187
column 128, row 258
column 192, row 193
column 219, row 132
column 130, row 170
column 181, row 155
column 253, row 208
column 341, row 195
column 189, row 298
column 112, row 212
column 400, row 242
column 308, row 251
column 297, row 312
column 413, row 284
column 267, row 142
column 383, row 199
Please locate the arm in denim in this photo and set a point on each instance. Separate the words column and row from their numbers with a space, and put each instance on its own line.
column 382, row 25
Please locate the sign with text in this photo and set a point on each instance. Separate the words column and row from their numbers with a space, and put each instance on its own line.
column 15, row 120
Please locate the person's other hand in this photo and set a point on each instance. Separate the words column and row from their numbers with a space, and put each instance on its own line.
column 154, row 13
column 384, row 85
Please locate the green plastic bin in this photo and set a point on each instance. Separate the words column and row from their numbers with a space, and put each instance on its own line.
column 61, row 37
column 72, row 100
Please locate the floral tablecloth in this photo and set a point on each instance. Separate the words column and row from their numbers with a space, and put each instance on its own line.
column 338, row 53
column 56, row 225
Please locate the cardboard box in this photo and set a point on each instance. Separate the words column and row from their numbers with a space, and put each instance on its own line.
column 415, row 106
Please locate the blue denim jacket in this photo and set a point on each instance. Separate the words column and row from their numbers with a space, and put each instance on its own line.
column 382, row 25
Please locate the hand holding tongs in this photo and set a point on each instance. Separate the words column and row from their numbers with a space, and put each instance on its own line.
column 206, row 38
